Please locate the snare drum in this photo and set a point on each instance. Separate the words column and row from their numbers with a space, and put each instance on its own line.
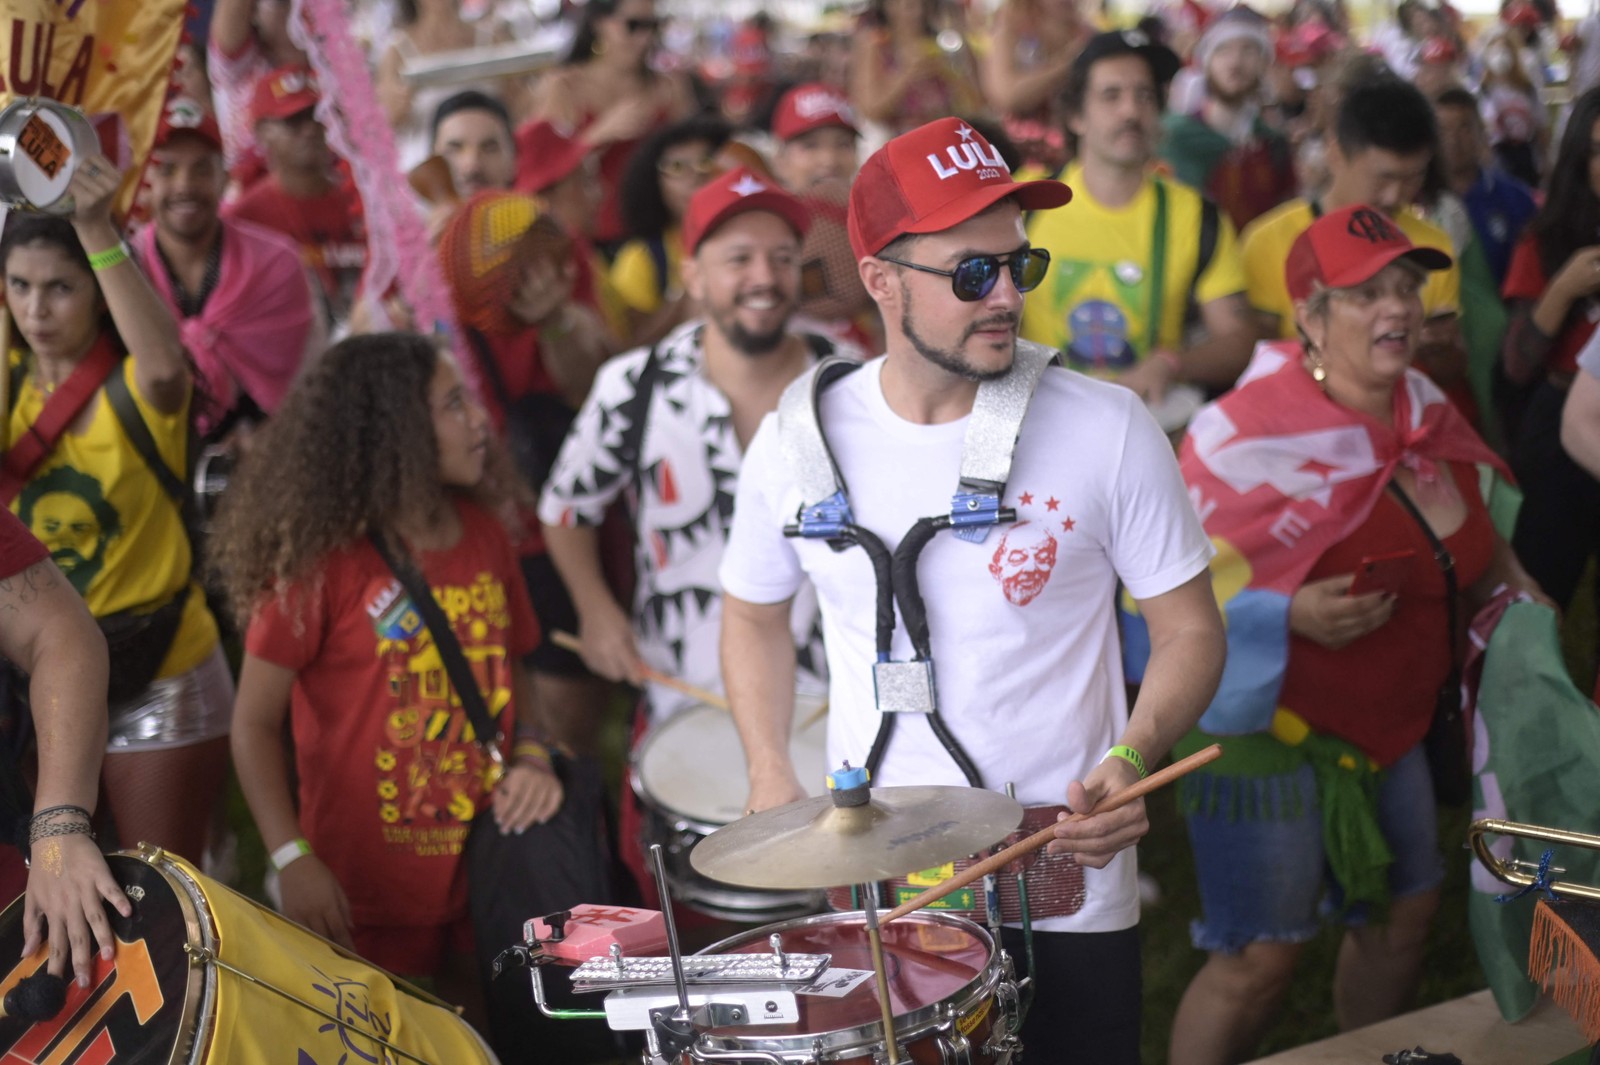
column 41, row 144
column 689, row 774
column 204, row 974
column 950, row 990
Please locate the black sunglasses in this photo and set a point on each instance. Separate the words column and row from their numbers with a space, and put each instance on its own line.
column 642, row 25
column 974, row 278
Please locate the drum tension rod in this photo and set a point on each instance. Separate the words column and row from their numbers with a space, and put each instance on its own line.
column 205, row 956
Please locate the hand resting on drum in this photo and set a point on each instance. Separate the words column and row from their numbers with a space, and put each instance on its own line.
column 68, row 882
column 773, row 788
column 313, row 897
column 529, row 793
column 1096, row 839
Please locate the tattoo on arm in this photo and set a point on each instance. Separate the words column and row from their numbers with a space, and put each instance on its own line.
column 22, row 589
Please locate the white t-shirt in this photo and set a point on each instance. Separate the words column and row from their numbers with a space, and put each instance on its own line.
column 1025, row 648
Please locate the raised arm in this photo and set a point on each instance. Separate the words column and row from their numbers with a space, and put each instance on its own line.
column 148, row 329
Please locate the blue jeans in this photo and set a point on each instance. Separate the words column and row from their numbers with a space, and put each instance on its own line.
column 1262, row 873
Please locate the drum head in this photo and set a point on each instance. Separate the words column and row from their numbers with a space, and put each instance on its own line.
column 41, row 144
column 137, row 1007
column 932, row 960
column 692, row 765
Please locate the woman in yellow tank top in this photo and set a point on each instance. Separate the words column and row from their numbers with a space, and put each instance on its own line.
column 89, row 333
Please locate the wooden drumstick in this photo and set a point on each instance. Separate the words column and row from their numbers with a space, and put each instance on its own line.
column 1046, row 834
column 571, row 643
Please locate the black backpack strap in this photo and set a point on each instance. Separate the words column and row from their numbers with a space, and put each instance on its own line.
column 491, row 368
column 462, row 679
column 636, row 411
column 133, row 424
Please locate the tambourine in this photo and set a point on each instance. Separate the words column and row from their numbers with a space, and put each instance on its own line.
column 42, row 143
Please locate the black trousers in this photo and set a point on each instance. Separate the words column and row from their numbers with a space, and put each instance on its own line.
column 1088, row 998
column 1558, row 528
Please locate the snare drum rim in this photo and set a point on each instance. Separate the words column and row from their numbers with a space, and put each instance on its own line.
column 195, row 1026
column 908, row 1027
column 13, row 117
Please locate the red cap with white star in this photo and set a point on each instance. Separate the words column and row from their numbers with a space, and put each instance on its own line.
column 932, row 178
column 735, row 192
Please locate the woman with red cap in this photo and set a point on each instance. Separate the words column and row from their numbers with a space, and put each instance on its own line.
column 1341, row 490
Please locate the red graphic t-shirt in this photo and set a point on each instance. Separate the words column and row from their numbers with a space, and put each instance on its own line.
column 329, row 230
column 390, row 773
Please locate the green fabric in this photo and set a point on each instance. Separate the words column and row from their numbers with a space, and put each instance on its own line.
column 1483, row 327
column 1536, row 754
column 1503, row 499
column 1347, row 795
column 1191, row 148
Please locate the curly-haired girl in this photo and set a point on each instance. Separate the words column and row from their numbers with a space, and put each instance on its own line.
column 378, row 439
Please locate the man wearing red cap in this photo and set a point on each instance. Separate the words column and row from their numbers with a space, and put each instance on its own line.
column 668, row 425
column 303, row 195
column 243, row 301
column 1011, row 672
column 816, row 132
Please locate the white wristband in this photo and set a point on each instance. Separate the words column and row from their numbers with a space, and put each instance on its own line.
column 286, row 855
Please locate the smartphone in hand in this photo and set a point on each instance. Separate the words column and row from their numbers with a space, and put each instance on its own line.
column 1381, row 573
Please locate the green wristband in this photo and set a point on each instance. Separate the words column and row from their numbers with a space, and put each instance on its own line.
column 105, row 260
column 1131, row 756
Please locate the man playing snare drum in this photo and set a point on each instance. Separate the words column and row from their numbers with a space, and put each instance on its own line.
column 666, row 427
column 1025, row 677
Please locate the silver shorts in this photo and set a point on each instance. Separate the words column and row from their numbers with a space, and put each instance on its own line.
column 176, row 711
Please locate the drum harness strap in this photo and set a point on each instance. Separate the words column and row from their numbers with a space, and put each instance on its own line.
column 991, row 439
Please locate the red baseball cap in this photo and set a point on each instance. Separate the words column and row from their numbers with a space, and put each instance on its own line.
column 1520, row 13
column 1438, row 50
column 1348, row 246
column 734, row 192
column 813, row 105
column 283, row 93
column 934, row 177
column 185, row 116
column 545, row 155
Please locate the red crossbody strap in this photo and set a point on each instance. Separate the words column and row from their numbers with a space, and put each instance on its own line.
column 64, row 404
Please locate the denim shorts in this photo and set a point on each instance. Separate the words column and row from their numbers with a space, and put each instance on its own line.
column 1262, row 873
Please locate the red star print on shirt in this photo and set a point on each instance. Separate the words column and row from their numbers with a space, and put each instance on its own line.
column 1052, row 503
column 1068, row 524
column 1026, row 499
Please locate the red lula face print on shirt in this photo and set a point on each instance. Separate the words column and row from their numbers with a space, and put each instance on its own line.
column 1024, row 561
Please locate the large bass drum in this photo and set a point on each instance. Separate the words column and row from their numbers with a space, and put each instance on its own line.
column 689, row 775
column 203, row 974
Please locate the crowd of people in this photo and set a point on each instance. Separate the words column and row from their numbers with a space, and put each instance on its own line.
column 1289, row 298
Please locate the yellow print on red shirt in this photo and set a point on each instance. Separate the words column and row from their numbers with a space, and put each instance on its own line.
column 430, row 773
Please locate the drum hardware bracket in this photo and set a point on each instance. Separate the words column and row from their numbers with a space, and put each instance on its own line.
column 205, row 956
column 904, row 687
column 519, row 956
column 640, row 1009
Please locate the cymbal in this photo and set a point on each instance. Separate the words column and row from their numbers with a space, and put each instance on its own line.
column 814, row 843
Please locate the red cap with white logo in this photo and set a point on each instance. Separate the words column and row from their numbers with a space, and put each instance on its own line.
column 735, row 192
column 283, row 93
column 1348, row 246
column 814, row 105
column 934, row 177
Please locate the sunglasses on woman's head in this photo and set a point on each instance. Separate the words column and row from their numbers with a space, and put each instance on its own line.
column 642, row 25
column 974, row 278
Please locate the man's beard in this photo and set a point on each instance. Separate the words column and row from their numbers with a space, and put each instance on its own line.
column 1227, row 99
column 952, row 361
column 746, row 342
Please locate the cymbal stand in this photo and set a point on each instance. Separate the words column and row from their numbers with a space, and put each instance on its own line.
column 869, row 906
column 672, row 1031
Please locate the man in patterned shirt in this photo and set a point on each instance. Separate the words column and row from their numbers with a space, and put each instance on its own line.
column 667, row 426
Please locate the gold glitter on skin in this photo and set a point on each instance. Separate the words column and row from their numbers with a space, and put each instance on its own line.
column 47, row 856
